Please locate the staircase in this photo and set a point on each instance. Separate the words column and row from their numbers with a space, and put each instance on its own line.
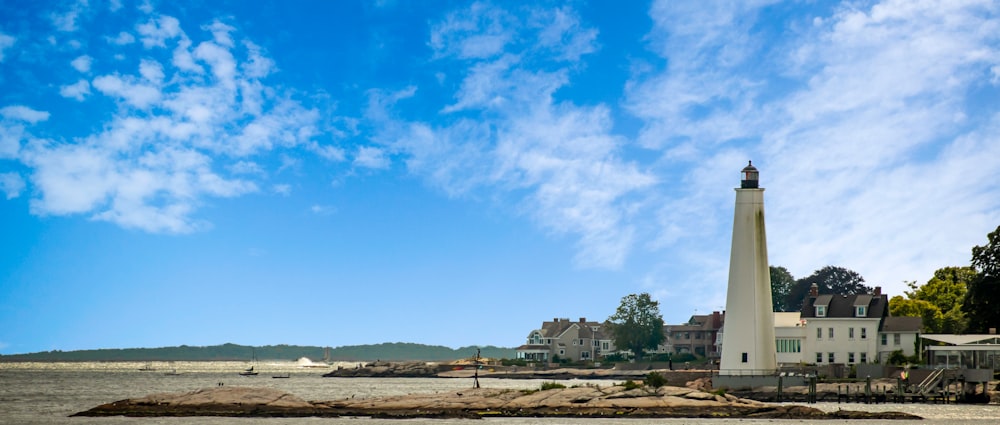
column 930, row 382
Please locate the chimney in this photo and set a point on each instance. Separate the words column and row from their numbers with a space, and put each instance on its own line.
column 878, row 291
column 583, row 320
column 993, row 331
column 716, row 320
column 556, row 319
column 814, row 290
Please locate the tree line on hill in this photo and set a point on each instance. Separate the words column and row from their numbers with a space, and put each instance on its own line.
column 397, row 351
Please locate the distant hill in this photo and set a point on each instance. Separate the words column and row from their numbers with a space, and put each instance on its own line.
column 395, row 351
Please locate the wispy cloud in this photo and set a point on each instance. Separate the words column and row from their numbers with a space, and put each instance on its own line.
column 562, row 157
column 323, row 209
column 282, row 189
column 371, row 157
column 123, row 38
column 82, row 63
column 68, row 21
column 11, row 184
column 867, row 131
column 23, row 113
column 6, row 42
column 78, row 90
column 176, row 138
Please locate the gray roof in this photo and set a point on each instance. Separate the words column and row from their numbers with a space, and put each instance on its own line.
column 823, row 300
column 557, row 327
column 842, row 306
column 698, row 322
column 902, row 324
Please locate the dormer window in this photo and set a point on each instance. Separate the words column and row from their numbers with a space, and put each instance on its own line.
column 821, row 311
column 861, row 305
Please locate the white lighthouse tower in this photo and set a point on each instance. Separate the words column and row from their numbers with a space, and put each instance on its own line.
column 748, row 346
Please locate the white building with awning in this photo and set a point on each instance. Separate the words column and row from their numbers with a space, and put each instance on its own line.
column 980, row 351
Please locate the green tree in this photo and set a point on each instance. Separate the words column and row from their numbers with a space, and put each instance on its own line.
column 982, row 301
column 946, row 291
column 781, row 284
column 830, row 280
column 637, row 324
column 930, row 314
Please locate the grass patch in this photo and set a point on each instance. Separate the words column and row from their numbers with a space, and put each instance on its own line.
column 552, row 386
column 631, row 385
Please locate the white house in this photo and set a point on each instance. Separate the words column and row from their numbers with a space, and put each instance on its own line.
column 898, row 333
column 789, row 337
column 843, row 329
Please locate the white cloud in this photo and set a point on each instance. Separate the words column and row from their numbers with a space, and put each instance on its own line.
column 183, row 59
column 153, row 162
column 282, row 189
column 220, row 61
column 371, row 157
column 65, row 22
column 220, row 33
column 78, row 90
column 82, row 63
column 328, row 152
column 323, row 209
column 481, row 31
column 560, row 30
column 11, row 184
column 152, row 71
column 257, row 65
column 865, row 135
column 156, row 32
column 11, row 134
column 123, row 38
column 24, row 113
column 246, row 167
column 128, row 89
column 6, row 42
column 562, row 157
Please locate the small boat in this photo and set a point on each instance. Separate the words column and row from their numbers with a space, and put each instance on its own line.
column 172, row 373
column 282, row 376
column 251, row 371
column 148, row 367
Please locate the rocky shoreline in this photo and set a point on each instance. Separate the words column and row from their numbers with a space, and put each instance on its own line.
column 435, row 370
column 583, row 401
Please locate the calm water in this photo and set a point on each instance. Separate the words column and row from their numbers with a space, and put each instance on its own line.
column 47, row 393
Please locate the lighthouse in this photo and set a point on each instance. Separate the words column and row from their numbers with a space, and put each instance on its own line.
column 748, row 346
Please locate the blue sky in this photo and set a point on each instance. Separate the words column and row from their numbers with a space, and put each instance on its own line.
column 349, row 172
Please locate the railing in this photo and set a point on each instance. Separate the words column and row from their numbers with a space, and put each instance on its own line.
column 746, row 372
column 931, row 381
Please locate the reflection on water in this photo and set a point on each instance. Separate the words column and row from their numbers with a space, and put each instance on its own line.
column 46, row 393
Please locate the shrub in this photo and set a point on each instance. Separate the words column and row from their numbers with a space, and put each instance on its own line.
column 631, row 385
column 551, row 386
column 655, row 380
column 896, row 358
column 513, row 362
column 615, row 357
